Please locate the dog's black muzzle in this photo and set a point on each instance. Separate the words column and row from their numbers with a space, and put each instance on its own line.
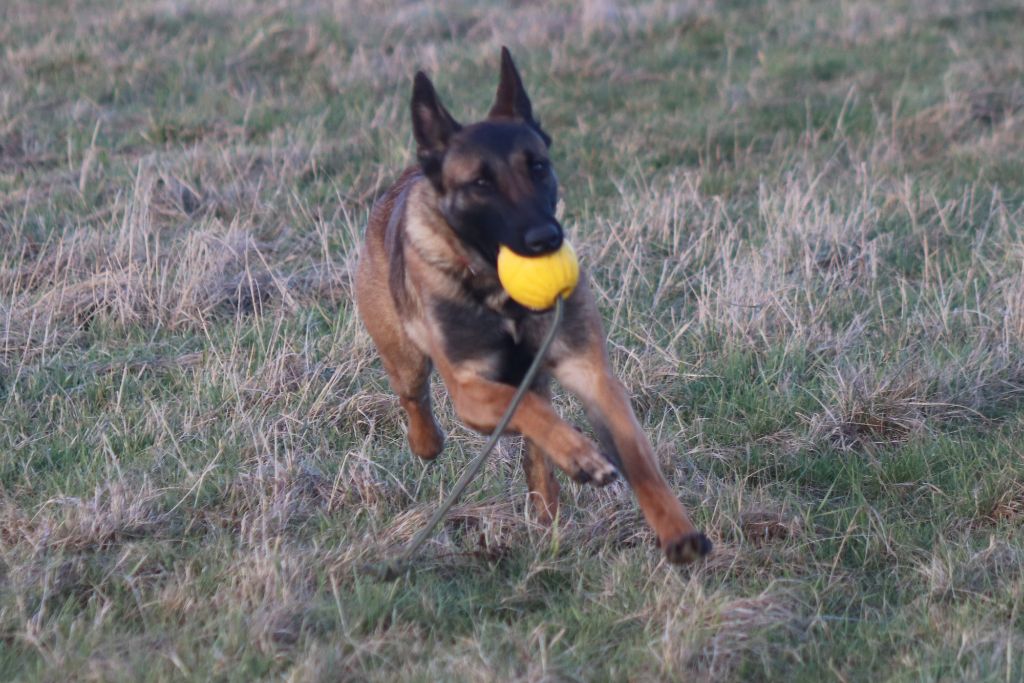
column 543, row 238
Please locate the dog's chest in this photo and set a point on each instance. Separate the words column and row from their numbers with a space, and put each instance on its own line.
column 476, row 333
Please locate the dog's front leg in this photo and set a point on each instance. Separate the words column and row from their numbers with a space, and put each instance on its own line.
column 480, row 403
column 589, row 377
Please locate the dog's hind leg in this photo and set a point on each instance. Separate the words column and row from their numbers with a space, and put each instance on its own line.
column 540, row 479
column 539, row 470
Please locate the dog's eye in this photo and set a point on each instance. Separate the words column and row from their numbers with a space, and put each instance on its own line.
column 539, row 168
column 482, row 183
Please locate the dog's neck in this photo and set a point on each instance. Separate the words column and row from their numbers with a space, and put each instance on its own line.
column 430, row 235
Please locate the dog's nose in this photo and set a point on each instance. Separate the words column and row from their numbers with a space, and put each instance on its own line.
column 542, row 239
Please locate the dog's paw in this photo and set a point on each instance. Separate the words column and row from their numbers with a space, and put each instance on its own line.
column 592, row 468
column 426, row 440
column 687, row 548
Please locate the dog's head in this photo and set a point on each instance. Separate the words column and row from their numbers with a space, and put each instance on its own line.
column 494, row 178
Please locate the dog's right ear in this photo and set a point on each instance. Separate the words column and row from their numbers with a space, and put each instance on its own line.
column 511, row 101
column 432, row 126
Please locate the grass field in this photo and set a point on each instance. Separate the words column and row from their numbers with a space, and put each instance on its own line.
column 805, row 223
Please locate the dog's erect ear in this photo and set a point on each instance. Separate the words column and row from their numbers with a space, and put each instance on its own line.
column 512, row 102
column 432, row 125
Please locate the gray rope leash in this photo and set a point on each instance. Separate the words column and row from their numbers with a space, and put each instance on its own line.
column 389, row 570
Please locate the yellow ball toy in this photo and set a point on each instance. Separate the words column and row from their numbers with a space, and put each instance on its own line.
column 536, row 281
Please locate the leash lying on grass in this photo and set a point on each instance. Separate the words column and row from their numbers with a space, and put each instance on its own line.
column 536, row 283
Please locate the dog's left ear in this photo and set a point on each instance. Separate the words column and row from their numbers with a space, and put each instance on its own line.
column 432, row 126
column 512, row 102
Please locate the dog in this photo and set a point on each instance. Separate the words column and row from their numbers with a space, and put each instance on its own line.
column 427, row 291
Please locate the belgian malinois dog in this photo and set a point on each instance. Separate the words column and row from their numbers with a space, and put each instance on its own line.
column 427, row 290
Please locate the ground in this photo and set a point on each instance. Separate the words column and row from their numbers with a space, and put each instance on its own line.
column 805, row 223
